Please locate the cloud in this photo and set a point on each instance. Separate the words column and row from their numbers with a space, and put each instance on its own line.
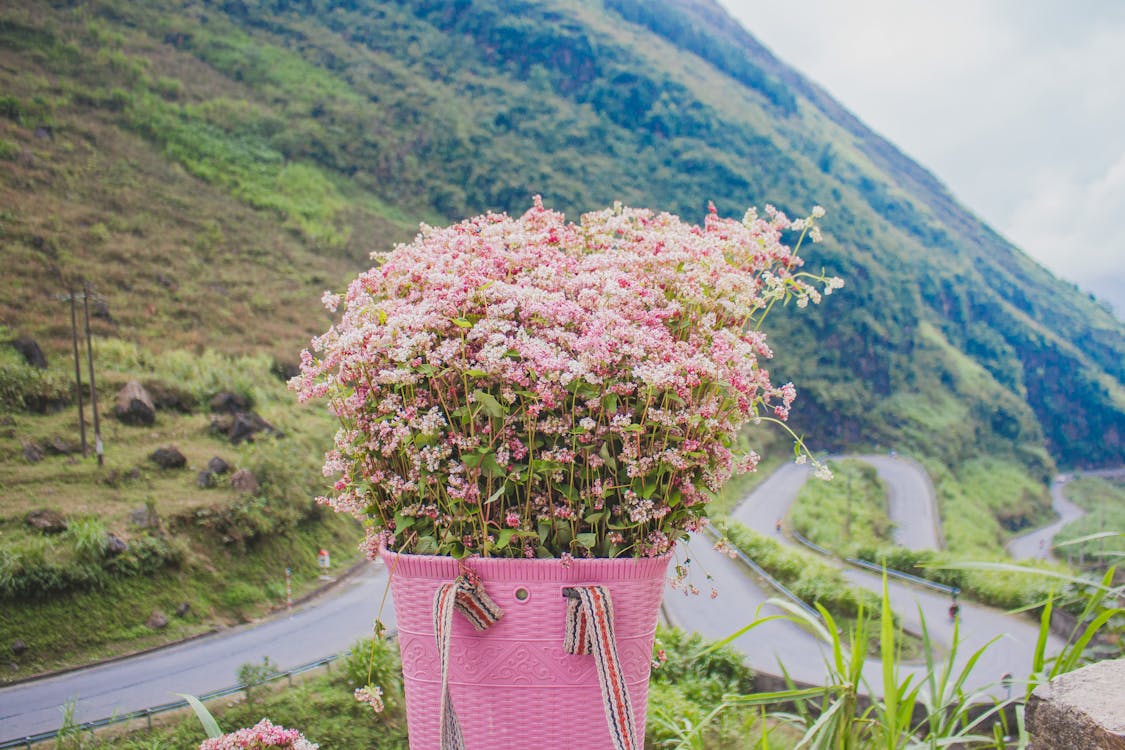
column 1074, row 227
column 1015, row 104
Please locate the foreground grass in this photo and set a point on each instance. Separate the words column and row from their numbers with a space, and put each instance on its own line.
column 690, row 682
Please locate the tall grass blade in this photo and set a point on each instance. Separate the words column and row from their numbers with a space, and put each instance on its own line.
column 205, row 718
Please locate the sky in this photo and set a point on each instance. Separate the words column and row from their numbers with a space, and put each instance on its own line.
column 1017, row 106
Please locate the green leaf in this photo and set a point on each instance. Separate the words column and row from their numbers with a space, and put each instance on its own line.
column 505, row 537
column 474, row 373
column 426, row 545
column 563, row 533
column 491, row 406
column 489, row 467
column 403, row 522
column 596, row 517
column 205, row 718
column 609, row 401
column 587, row 540
column 462, row 323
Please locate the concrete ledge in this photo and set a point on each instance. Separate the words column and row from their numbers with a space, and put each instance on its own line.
column 1080, row 710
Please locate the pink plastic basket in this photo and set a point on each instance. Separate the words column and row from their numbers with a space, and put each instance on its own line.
column 513, row 685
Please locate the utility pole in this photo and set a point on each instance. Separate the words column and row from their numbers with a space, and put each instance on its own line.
column 90, row 362
column 77, row 373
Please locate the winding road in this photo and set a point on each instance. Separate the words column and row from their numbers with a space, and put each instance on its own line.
column 331, row 623
column 911, row 500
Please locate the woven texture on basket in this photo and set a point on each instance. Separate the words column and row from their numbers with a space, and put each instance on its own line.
column 513, row 685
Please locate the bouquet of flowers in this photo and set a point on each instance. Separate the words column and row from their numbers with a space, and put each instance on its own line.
column 531, row 387
column 262, row 736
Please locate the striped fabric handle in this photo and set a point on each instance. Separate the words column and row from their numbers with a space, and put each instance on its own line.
column 589, row 630
column 467, row 596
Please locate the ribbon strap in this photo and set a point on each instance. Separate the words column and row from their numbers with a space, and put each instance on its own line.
column 589, row 630
column 467, row 596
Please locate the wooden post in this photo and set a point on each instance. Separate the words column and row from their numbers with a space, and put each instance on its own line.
column 78, row 373
column 90, row 362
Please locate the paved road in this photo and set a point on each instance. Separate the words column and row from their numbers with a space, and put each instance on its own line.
column 324, row 626
column 330, row 624
column 739, row 600
column 1038, row 543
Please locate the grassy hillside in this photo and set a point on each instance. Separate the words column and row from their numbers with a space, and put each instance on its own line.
column 211, row 167
column 119, row 543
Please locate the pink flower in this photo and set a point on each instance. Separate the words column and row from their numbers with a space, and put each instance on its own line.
column 514, row 373
column 372, row 696
column 262, row 736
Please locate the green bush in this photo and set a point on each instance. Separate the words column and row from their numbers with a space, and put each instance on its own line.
column 39, row 568
column 89, row 539
column 850, row 510
column 239, row 594
column 27, row 388
column 375, row 661
column 807, row 577
column 8, row 150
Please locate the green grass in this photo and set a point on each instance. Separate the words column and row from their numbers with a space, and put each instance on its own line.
column 691, row 682
column 218, row 550
column 847, row 513
column 1104, row 502
column 810, row 578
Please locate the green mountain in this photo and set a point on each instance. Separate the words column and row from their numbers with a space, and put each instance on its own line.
column 212, row 166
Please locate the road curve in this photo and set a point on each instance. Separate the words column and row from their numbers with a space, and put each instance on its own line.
column 323, row 626
column 803, row 656
column 1037, row 544
column 332, row 623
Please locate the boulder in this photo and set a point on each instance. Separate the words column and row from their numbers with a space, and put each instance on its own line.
column 58, row 446
column 226, row 402
column 32, row 452
column 157, row 620
column 183, row 609
column 241, row 426
column 205, row 480
column 100, row 309
column 170, row 398
column 246, row 425
column 168, row 458
column 115, row 545
column 46, row 521
column 1080, row 710
column 145, row 517
column 134, row 405
column 244, row 481
column 285, row 371
column 30, row 351
column 217, row 466
column 18, row 647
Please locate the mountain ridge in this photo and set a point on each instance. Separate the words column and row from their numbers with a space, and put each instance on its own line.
column 335, row 125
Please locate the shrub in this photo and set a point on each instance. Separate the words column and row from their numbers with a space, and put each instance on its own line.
column 374, row 661
column 253, row 677
column 26, row 388
column 8, row 150
column 808, row 578
column 36, row 568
